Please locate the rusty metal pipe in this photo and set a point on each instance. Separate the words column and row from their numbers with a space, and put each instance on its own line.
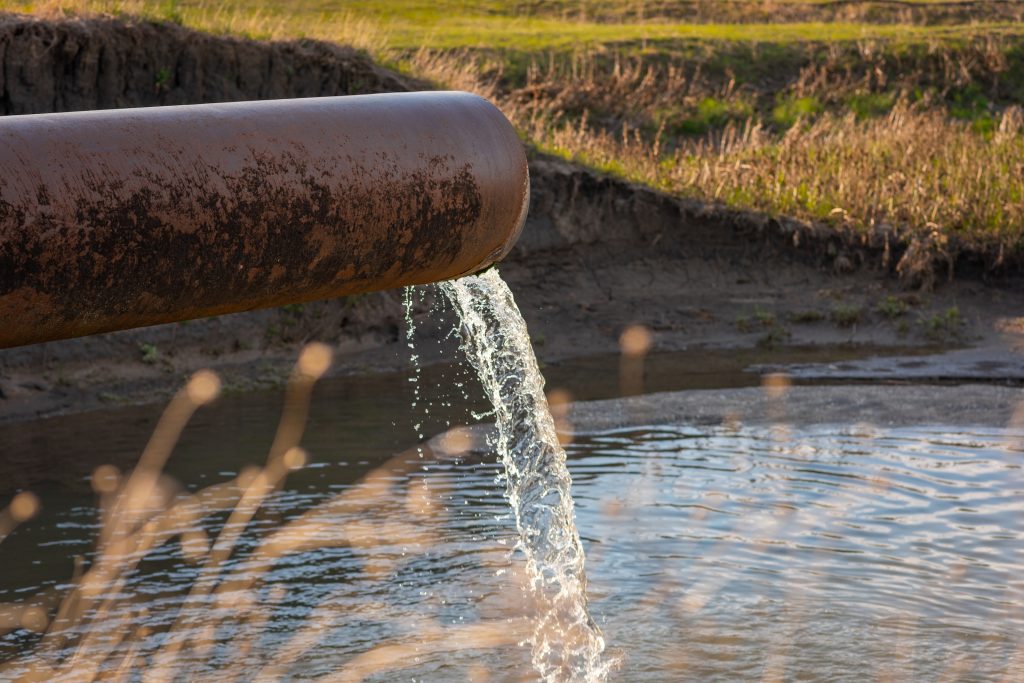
column 118, row 219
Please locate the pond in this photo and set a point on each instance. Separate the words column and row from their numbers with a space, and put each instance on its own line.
column 714, row 552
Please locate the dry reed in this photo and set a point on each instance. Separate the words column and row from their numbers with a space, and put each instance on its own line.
column 914, row 170
column 98, row 631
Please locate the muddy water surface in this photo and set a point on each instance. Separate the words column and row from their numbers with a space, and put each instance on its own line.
column 816, row 553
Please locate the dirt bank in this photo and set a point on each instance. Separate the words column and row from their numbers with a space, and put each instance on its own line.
column 597, row 254
column 860, row 409
column 77, row 64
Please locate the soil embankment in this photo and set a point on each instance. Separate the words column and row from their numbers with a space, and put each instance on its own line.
column 74, row 65
column 597, row 253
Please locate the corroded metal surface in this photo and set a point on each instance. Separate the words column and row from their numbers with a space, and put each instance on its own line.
column 119, row 219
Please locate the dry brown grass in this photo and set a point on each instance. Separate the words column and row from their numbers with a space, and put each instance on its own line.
column 260, row 21
column 910, row 168
column 914, row 170
column 99, row 630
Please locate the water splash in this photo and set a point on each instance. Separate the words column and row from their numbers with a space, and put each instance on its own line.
column 567, row 644
column 414, row 358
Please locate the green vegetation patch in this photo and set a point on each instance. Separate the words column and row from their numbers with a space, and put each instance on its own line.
column 847, row 315
column 944, row 326
column 710, row 113
column 870, row 104
column 789, row 110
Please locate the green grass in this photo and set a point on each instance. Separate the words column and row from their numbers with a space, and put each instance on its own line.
column 546, row 34
column 149, row 353
column 846, row 315
column 891, row 307
column 789, row 110
column 943, row 326
column 869, row 104
column 807, row 317
column 708, row 113
column 450, row 24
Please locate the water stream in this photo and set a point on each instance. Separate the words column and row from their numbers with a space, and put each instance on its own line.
column 567, row 644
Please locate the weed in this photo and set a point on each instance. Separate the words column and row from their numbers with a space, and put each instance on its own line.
column 891, row 307
column 163, row 78
column 969, row 103
column 944, row 326
column 868, row 105
column 806, row 317
column 846, row 315
column 150, row 354
column 790, row 110
column 764, row 318
column 766, row 321
column 759, row 319
column 170, row 10
column 710, row 113
column 774, row 337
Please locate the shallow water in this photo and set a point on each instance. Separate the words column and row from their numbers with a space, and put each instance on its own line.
column 828, row 553
column 366, row 416
column 822, row 554
column 714, row 554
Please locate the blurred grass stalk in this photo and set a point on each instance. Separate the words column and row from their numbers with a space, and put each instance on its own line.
column 99, row 630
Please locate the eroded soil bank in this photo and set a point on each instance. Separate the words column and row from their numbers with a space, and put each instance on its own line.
column 597, row 254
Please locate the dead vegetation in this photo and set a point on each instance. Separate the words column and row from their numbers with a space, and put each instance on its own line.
column 103, row 628
column 921, row 149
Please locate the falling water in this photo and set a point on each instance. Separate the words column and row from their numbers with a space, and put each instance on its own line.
column 567, row 645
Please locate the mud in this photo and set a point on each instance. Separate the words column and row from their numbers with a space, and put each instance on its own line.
column 596, row 254
column 860, row 409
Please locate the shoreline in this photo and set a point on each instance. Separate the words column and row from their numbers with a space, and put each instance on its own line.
column 597, row 255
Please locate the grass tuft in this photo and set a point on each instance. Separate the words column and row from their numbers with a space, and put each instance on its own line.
column 846, row 315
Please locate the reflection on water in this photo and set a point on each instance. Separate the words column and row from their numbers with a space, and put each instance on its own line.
column 357, row 418
column 826, row 554
column 840, row 554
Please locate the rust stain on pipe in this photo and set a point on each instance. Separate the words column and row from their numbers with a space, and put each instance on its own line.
column 124, row 218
